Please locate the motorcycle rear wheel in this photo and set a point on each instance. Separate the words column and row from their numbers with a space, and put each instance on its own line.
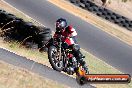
column 81, row 80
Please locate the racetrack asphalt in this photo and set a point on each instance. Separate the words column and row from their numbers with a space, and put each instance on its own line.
column 108, row 48
column 39, row 69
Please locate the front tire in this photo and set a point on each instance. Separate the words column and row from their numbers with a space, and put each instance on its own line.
column 53, row 59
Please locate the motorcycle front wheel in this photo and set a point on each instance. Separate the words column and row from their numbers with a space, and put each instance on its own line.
column 53, row 57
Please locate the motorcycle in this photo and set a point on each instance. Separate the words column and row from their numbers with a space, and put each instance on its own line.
column 59, row 59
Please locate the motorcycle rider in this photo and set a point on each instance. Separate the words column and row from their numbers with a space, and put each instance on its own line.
column 69, row 36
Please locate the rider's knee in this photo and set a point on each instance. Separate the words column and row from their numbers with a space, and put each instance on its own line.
column 76, row 47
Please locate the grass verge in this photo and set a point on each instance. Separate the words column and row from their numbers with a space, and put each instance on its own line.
column 14, row 77
column 95, row 64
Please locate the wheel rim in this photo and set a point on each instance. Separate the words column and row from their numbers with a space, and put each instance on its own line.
column 55, row 58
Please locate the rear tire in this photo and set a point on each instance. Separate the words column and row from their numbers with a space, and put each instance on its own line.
column 81, row 80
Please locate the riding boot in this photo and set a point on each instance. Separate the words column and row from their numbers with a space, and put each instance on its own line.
column 85, row 67
column 80, row 59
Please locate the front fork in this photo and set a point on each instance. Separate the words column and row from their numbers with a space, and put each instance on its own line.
column 60, row 51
